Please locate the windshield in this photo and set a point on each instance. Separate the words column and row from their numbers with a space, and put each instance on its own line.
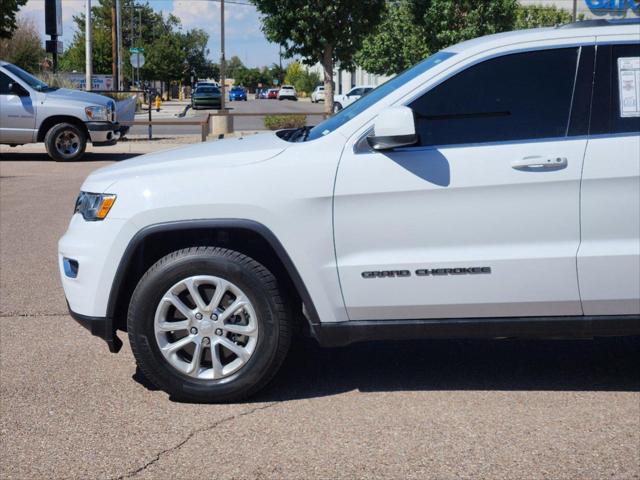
column 207, row 90
column 29, row 79
column 375, row 95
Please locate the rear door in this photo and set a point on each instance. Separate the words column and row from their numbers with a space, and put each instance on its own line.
column 482, row 218
column 609, row 255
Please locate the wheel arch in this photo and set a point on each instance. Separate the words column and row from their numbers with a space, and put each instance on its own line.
column 49, row 122
column 246, row 236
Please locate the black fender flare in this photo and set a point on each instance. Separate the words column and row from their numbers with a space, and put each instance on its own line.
column 207, row 224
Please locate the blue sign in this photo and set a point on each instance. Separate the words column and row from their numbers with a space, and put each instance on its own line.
column 613, row 6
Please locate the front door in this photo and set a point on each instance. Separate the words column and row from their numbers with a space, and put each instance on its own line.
column 482, row 218
column 17, row 115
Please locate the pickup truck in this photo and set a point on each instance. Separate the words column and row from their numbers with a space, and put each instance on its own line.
column 492, row 191
column 65, row 120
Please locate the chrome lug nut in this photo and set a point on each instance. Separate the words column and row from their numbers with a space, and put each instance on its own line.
column 193, row 330
column 198, row 316
column 214, row 317
column 205, row 341
column 218, row 331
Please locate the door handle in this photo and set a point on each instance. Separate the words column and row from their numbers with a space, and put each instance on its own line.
column 539, row 164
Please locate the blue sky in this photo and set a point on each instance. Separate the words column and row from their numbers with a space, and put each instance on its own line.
column 243, row 35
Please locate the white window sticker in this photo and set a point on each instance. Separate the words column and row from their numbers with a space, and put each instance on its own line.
column 629, row 86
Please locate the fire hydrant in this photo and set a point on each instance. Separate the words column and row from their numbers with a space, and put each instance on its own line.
column 157, row 103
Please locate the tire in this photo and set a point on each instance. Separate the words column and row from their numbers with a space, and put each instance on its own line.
column 65, row 142
column 336, row 107
column 268, row 314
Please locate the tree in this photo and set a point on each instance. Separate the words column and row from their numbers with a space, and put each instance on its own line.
column 411, row 30
column 8, row 17
column 24, row 49
column 322, row 30
column 233, row 66
column 166, row 47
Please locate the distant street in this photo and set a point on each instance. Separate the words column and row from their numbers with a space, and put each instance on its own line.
column 240, row 123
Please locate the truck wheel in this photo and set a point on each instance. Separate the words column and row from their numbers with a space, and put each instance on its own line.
column 208, row 324
column 65, row 142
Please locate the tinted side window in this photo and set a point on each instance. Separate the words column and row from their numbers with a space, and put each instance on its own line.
column 606, row 117
column 513, row 97
column 4, row 84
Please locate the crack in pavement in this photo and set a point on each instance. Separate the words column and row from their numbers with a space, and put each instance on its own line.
column 192, row 434
column 36, row 314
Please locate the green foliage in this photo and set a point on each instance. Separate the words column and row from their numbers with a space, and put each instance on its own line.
column 278, row 122
column 24, row 49
column 320, row 30
column 251, row 77
column 413, row 29
column 8, row 16
column 533, row 16
column 170, row 54
column 300, row 78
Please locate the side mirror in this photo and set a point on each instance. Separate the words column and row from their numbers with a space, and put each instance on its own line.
column 395, row 127
column 17, row 89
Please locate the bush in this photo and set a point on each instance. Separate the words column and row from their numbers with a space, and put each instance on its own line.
column 278, row 122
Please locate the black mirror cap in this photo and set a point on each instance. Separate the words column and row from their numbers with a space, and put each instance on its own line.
column 391, row 142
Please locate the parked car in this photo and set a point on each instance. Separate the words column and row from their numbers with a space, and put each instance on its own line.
column 342, row 101
column 430, row 208
column 206, row 96
column 237, row 93
column 272, row 93
column 287, row 92
column 318, row 94
column 65, row 120
column 257, row 93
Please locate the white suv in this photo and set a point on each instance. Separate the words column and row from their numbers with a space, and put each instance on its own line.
column 492, row 190
column 287, row 92
column 342, row 101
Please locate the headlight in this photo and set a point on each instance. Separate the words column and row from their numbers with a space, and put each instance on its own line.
column 97, row 114
column 94, row 206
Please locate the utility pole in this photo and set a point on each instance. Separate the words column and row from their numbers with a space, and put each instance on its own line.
column 114, row 46
column 575, row 10
column 88, row 46
column 222, row 58
column 119, row 31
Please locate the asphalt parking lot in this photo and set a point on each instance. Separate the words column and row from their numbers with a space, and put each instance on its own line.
column 423, row 409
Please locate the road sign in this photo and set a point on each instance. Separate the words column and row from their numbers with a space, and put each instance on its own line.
column 136, row 50
column 137, row 60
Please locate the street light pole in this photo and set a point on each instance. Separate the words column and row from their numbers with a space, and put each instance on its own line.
column 222, row 58
column 88, row 46
column 575, row 10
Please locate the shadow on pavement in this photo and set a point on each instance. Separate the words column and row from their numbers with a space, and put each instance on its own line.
column 88, row 157
column 607, row 364
column 556, row 365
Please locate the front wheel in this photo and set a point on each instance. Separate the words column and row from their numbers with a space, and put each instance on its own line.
column 208, row 325
column 65, row 142
column 336, row 107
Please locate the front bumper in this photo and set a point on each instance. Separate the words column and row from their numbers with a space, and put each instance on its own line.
column 100, row 327
column 94, row 250
column 103, row 133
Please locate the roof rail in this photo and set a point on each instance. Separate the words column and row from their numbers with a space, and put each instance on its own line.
column 601, row 22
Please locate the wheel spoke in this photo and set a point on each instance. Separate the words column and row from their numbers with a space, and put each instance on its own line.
column 173, row 299
column 177, row 345
column 194, row 366
column 237, row 349
column 192, row 286
column 215, row 361
column 237, row 304
column 221, row 289
column 248, row 330
column 173, row 326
